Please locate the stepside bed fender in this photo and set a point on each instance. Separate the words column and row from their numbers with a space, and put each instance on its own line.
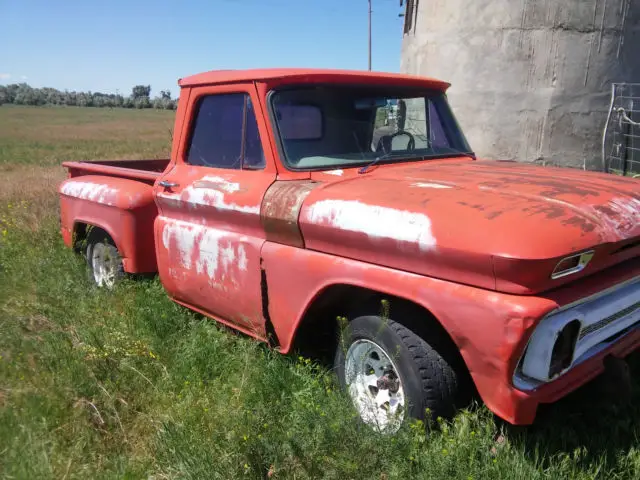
column 123, row 208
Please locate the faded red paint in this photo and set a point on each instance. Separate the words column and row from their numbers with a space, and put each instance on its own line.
column 125, row 209
column 473, row 242
column 490, row 328
column 146, row 171
column 308, row 75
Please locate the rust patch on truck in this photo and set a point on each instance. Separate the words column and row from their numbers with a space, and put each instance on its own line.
column 580, row 222
column 280, row 209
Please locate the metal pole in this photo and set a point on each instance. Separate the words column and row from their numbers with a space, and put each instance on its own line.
column 369, row 35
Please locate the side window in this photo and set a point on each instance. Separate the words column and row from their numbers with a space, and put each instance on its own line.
column 219, row 138
column 438, row 137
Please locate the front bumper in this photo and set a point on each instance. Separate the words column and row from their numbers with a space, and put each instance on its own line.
column 603, row 318
column 610, row 326
column 493, row 348
column 525, row 403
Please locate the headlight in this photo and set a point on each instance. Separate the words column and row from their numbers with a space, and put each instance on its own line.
column 551, row 348
column 563, row 348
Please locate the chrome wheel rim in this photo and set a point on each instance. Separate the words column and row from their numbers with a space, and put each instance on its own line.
column 375, row 386
column 105, row 263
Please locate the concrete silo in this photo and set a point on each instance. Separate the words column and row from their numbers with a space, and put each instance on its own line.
column 531, row 78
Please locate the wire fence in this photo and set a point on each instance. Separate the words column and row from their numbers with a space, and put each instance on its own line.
column 621, row 139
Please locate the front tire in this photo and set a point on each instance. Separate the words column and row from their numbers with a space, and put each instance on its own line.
column 104, row 260
column 393, row 374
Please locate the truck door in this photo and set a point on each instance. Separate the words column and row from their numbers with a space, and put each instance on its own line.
column 208, row 233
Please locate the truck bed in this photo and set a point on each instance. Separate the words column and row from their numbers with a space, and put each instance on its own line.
column 146, row 171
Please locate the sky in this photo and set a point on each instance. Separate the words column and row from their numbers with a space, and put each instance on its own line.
column 110, row 46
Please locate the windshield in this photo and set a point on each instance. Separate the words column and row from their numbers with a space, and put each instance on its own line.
column 343, row 126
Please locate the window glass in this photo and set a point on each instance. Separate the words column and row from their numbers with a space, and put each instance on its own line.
column 299, row 122
column 438, row 135
column 217, row 136
column 334, row 126
column 416, row 122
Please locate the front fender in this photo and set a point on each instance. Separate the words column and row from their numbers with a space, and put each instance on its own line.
column 490, row 329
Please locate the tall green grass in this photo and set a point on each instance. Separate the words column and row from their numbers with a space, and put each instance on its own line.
column 126, row 384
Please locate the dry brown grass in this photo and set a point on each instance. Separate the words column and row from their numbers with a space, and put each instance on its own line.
column 28, row 195
column 34, row 141
column 29, row 182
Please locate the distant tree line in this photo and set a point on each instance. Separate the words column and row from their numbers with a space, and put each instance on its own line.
column 23, row 94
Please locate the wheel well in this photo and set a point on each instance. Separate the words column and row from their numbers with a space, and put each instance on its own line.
column 83, row 232
column 317, row 334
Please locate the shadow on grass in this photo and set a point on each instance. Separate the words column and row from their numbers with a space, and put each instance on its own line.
column 590, row 423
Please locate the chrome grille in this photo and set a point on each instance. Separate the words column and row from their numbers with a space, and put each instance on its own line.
column 606, row 321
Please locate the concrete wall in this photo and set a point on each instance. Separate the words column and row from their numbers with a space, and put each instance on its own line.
column 530, row 78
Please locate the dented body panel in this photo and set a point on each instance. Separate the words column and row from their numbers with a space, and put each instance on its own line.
column 490, row 329
column 472, row 242
column 208, row 240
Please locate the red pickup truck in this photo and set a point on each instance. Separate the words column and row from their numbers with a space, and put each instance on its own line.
column 294, row 197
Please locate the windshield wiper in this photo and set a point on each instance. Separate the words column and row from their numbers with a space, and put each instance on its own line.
column 421, row 157
column 376, row 160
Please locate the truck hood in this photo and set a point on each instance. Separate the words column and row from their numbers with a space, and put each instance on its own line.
column 492, row 224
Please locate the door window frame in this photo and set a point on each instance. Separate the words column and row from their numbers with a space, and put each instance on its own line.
column 249, row 89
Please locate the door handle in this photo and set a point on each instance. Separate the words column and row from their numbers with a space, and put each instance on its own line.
column 166, row 184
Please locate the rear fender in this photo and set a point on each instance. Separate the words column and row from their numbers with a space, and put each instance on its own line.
column 123, row 208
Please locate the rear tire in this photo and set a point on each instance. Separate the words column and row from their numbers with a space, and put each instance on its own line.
column 104, row 260
column 393, row 374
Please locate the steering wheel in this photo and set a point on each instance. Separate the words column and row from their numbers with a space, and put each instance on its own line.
column 387, row 141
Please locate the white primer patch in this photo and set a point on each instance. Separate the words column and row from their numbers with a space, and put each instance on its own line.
column 207, row 250
column 185, row 238
column 228, row 256
column 210, row 197
column 375, row 221
column 215, row 198
column 628, row 207
column 429, row 185
column 627, row 211
column 335, row 172
column 227, row 186
column 242, row 259
column 94, row 192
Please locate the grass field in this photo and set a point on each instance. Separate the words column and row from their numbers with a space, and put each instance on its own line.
column 125, row 384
